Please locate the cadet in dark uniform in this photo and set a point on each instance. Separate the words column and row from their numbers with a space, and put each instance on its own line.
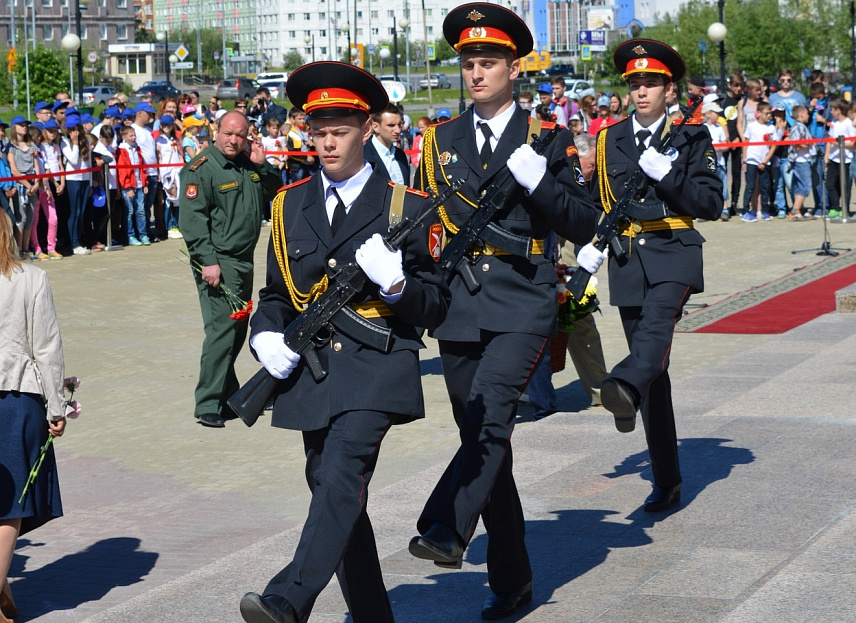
column 318, row 225
column 662, row 265
column 222, row 192
column 493, row 338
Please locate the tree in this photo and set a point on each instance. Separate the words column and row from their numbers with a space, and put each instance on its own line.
column 292, row 60
column 48, row 74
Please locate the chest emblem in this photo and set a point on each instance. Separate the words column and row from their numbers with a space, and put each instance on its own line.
column 228, row 186
column 444, row 158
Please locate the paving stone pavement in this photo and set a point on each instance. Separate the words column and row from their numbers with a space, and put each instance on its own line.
column 169, row 522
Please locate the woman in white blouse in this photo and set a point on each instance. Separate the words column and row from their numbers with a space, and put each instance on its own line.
column 78, row 158
column 31, row 402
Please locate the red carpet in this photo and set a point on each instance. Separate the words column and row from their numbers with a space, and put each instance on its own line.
column 787, row 310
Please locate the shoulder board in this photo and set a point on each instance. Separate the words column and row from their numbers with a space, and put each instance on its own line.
column 412, row 191
column 198, row 163
column 293, row 184
column 690, row 121
column 546, row 125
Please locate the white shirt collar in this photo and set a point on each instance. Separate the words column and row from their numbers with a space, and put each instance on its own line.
column 497, row 124
column 348, row 190
column 638, row 127
column 382, row 149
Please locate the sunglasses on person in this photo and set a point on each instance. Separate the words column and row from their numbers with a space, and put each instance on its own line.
column 243, row 106
column 785, row 80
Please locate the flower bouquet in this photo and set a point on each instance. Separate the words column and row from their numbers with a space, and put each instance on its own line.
column 72, row 411
column 570, row 310
column 241, row 309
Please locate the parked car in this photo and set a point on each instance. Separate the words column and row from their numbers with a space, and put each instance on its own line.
column 97, row 95
column 557, row 70
column 233, row 88
column 157, row 91
column 438, row 81
column 276, row 88
column 578, row 88
column 273, row 76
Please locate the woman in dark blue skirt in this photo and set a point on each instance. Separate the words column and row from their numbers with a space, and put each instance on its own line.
column 32, row 406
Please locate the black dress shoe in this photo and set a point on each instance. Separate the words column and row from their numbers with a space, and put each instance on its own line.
column 662, row 498
column 212, row 420
column 440, row 544
column 268, row 609
column 500, row 605
column 619, row 399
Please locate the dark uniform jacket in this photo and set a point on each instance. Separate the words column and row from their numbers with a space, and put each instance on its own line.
column 374, row 159
column 221, row 204
column 359, row 378
column 690, row 189
column 516, row 295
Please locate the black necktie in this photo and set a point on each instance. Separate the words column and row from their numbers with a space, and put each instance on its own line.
column 338, row 213
column 641, row 137
column 486, row 150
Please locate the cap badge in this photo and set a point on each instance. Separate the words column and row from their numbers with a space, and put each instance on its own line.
column 640, row 50
column 324, row 95
column 641, row 63
column 477, row 32
column 444, row 158
column 474, row 15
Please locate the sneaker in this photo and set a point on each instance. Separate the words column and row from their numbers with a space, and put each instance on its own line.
column 748, row 217
column 174, row 233
column 833, row 214
column 54, row 255
column 781, row 214
column 145, row 241
column 43, row 256
column 726, row 215
column 765, row 216
column 808, row 216
column 795, row 216
column 82, row 251
column 133, row 242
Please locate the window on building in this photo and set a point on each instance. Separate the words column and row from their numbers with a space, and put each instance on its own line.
column 323, row 50
column 62, row 3
column 359, row 32
column 430, row 30
column 290, row 17
column 307, row 16
column 322, row 33
column 64, row 30
column 47, row 4
column 390, row 31
column 322, row 16
column 122, row 33
column 359, row 15
column 121, row 4
column 373, row 14
column 84, row 32
column 102, row 32
column 375, row 31
column 390, row 13
column 444, row 12
column 428, row 12
column 292, row 34
column 131, row 63
column 47, row 32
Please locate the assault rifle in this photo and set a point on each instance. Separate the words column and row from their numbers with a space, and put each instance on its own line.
column 616, row 220
column 330, row 313
column 480, row 228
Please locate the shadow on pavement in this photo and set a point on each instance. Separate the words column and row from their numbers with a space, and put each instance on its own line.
column 77, row 578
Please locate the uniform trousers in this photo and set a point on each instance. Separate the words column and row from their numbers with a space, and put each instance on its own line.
column 224, row 337
column 485, row 380
column 649, row 330
column 337, row 536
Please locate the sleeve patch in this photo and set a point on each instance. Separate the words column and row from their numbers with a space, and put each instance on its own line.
column 435, row 240
column 570, row 151
column 191, row 191
column 710, row 159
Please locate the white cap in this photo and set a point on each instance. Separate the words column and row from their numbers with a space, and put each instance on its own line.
column 710, row 98
column 708, row 107
column 220, row 113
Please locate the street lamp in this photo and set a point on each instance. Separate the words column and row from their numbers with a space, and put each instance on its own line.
column 394, row 49
column 345, row 27
column 717, row 33
column 164, row 37
column 384, row 54
column 310, row 39
column 71, row 43
column 404, row 25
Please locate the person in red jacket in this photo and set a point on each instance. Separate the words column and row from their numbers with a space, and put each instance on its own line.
column 132, row 181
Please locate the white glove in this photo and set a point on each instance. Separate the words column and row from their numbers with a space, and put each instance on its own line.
column 274, row 355
column 590, row 258
column 654, row 164
column 527, row 167
column 382, row 266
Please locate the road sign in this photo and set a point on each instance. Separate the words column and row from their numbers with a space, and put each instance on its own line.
column 594, row 38
column 585, row 52
column 181, row 52
column 229, row 52
column 371, row 48
column 12, row 56
column 11, row 66
column 92, row 57
column 432, row 54
column 184, row 65
column 216, row 55
column 394, row 89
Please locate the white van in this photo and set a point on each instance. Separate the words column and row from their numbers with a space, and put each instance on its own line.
column 281, row 76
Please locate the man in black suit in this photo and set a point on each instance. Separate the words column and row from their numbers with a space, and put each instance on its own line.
column 317, row 225
column 495, row 334
column 662, row 264
column 381, row 150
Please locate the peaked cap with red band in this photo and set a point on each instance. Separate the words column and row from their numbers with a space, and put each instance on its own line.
column 480, row 26
column 646, row 57
column 329, row 89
